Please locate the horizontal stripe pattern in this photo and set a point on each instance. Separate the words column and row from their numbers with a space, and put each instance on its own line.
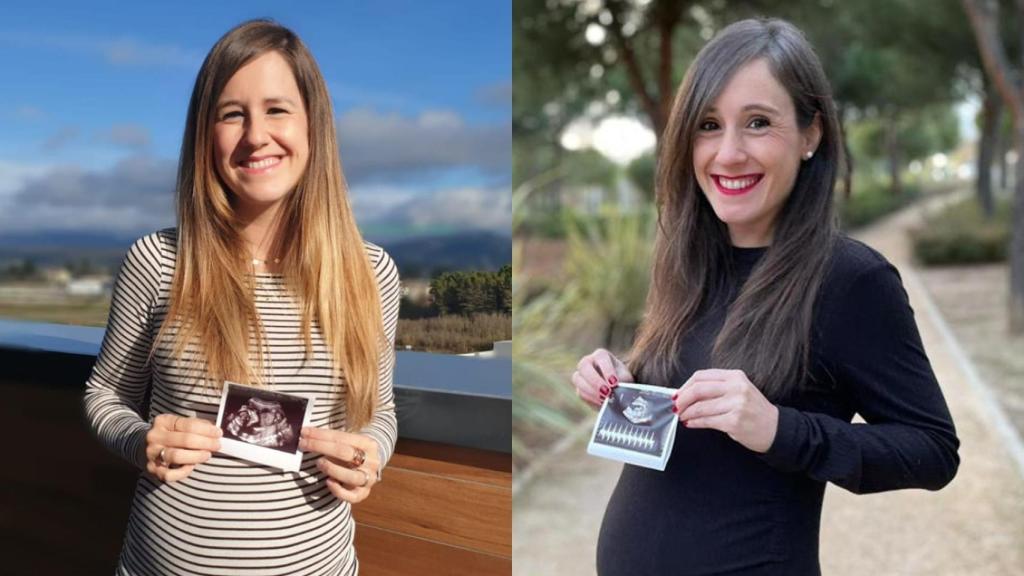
column 230, row 516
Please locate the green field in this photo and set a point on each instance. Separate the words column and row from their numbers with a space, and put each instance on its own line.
column 91, row 313
column 447, row 334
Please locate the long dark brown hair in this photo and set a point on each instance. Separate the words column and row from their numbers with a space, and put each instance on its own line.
column 767, row 328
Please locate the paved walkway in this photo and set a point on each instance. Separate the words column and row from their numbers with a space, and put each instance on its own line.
column 975, row 526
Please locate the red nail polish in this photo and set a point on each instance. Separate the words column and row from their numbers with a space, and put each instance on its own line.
column 613, row 380
column 675, row 409
column 604, row 390
column 675, row 396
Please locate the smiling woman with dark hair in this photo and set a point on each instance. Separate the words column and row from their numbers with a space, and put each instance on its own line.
column 775, row 327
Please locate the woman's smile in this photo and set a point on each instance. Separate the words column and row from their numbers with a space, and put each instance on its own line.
column 259, row 165
column 736, row 185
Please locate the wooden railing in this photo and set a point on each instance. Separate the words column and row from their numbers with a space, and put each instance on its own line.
column 440, row 510
column 444, row 506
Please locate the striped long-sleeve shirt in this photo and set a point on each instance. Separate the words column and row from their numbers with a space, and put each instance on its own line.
column 229, row 516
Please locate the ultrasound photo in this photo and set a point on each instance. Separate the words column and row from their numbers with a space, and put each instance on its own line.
column 262, row 422
column 636, row 425
column 263, row 426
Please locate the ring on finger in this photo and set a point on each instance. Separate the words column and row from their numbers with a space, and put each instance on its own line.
column 358, row 458
column 161, row 459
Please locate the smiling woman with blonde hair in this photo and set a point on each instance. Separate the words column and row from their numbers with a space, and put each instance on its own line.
column 266, row 280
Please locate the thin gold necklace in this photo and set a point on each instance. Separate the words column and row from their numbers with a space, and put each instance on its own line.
column 259, row 262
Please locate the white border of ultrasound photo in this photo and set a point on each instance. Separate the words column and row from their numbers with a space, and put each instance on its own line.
column 668, row 431
column 286, row 461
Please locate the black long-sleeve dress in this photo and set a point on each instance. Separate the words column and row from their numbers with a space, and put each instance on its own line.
column 720, row 508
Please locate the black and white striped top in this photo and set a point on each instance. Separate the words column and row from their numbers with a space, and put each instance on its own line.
column 230, row 516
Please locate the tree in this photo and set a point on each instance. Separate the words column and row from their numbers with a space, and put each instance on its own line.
column 984, row 18
column 991, row 112
column 916, row 133
column 872, row 50
column 473, row 292
column 503, row 290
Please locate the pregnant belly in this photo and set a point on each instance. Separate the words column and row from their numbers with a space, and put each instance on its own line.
column 715, row 510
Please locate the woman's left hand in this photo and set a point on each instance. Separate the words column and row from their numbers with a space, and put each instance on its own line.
column 341, row 452
column 727, row 401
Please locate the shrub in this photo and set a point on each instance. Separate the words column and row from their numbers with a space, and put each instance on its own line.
column 873, row 200
column 555, row 224
column 608, row 265
column 454, row 334
column 641, row 172
column 959, row 234
column 547, row 224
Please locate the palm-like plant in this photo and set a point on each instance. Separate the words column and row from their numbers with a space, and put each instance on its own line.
column 606, row 284
column 608, row 266
column 544, row 404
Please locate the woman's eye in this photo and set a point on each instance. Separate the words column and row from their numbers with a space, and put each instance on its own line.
column 231, row 115
column 277, row 110
column 708, row 125
column 758, row 123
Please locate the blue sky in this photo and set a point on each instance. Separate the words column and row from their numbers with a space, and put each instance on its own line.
column 94, row 98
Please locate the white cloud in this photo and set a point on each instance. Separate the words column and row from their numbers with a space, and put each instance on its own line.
column 134, row 195
column 372, row 201
column 60, row 139
column 464, row 208
column 98, row 218
column 133, row 136
column 356, row 95
column 13, row 176
column 122, row 51
column 375, row 145
column 126, row 51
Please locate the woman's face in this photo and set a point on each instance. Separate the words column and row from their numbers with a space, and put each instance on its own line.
column 261, row 133
column 747, row 152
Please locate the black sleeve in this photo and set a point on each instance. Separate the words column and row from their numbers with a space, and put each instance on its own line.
column 909, row 441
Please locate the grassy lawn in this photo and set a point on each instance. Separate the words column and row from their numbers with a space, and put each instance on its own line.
column 448, row 335
column 85, row 313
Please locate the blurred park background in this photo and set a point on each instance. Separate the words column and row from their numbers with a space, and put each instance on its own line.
column 934, row 131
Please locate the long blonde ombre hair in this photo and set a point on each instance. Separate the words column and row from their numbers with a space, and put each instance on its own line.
column 324, row 261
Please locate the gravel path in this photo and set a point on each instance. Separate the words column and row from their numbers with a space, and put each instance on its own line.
column 975, row 526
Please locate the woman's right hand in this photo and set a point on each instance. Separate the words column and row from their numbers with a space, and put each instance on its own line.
column 184, row 442
column 597, row 374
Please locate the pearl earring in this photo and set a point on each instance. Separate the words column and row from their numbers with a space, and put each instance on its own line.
column 808, row 155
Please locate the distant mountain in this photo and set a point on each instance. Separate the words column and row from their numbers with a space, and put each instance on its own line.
column 421, row 256
column 60, row 247
column 430, row 255
column 62, row 239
